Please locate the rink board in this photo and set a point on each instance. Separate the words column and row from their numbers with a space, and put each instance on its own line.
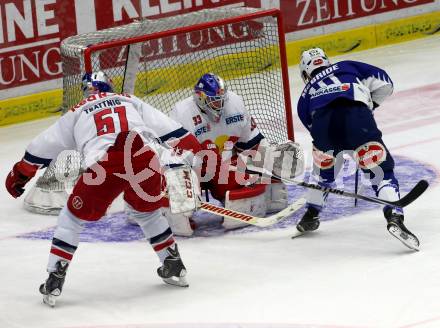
column 45, row 104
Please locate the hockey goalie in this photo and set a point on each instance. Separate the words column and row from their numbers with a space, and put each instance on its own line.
column 218, row 119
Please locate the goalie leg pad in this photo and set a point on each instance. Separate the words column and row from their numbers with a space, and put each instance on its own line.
column 180, row 223
column 276, row 197
column 183, row 189
column 249, row 200
column 47, row 202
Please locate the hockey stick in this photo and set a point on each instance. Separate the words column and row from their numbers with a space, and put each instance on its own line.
column 250, row 219
column 411, row 196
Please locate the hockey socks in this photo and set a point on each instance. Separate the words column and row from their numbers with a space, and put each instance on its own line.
column 161, row 242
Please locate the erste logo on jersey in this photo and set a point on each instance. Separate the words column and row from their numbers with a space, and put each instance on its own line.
column 203, row 129
column 234, row 119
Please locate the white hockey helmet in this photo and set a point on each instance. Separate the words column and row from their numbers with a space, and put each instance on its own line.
column 96, row 82
column 312, row 59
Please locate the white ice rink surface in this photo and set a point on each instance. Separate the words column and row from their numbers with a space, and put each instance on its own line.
column 351, row 273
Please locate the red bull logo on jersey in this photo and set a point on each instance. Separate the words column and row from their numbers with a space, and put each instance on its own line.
column 225, row 143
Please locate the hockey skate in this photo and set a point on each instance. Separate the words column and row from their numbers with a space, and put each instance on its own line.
column 173, row 271
column 309, row 222
column 53, row 286
column 396, row 227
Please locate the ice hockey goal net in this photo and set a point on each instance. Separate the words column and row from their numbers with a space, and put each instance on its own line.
column 161, row 60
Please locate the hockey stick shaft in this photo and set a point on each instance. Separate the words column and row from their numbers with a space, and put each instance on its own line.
column 411, row 196
column 250, row 219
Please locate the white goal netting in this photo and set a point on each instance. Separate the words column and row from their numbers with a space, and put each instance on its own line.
column 161, row 60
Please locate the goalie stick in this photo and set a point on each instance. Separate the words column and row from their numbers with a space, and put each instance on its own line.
column 250, row 219
column 411, row 196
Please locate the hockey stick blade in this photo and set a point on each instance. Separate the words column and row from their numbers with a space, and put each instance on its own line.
column 411, row 196
column 254, row 220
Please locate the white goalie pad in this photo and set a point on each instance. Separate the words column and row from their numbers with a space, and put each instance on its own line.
column 248, row 200
column 50, row 192
column 276, row 197
column 42, row 201
column 183, row 189
column 180, row 223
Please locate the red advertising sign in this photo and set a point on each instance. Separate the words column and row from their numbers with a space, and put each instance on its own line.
column 30, row 33
column 303, row 14
column 31, row 30
column 122, row 12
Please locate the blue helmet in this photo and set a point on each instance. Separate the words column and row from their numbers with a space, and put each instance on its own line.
column 210, row 95
column 96, row 82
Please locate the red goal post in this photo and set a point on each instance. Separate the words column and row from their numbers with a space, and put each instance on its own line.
column 160, row 61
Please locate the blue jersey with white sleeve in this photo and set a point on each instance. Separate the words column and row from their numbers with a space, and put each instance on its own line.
column 351, row 80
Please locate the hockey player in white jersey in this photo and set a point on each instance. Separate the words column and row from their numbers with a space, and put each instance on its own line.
column 219, row 120
column 112, row 132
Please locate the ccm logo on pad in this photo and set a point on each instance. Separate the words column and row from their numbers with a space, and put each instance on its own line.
column 188, row 184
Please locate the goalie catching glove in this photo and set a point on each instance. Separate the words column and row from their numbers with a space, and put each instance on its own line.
column 285, row 160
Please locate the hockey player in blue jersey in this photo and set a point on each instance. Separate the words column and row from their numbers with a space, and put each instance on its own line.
column 336, row 106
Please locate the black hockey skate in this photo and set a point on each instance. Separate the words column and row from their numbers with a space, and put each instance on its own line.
column 396, row 227
column 309, row 221
column 53, row 286
column 173, row 271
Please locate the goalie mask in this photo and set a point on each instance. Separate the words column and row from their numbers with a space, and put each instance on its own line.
column 95, row 83
column 311, row 60
column 210, row 95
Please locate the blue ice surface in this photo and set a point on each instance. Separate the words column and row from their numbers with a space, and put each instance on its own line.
column 114, row 228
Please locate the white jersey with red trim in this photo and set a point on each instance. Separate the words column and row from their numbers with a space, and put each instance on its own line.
column 92, row 126
column 235, row 130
